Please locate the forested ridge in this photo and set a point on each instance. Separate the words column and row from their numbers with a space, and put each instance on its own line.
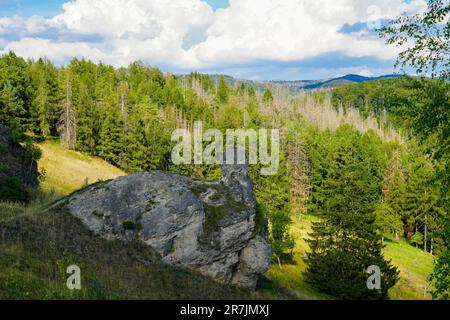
column 360, row 179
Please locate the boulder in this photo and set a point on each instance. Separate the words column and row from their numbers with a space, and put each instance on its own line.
column 211, row 227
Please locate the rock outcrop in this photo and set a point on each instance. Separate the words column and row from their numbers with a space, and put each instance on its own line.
column 14, row 161
column 211, row 227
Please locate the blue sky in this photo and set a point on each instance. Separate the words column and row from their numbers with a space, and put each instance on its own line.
column 253, row 39
column 50, row 8
column 46, row 8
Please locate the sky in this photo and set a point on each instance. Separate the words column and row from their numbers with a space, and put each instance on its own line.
column 249, row 39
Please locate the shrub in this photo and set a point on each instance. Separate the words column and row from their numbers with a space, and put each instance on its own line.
column 11, row 189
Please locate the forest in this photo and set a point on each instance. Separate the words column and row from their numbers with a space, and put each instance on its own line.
column 367, row 163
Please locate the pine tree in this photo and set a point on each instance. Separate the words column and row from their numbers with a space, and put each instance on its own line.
column 15, row 97
column 85, row 121
column 222, row 90
column 111, row 142
column 136, row 155
column 46, row 99
column 391, row 209
column 67, row 121
column 440, row 278
column 272, row 193
column 267, row 97
column 422, row 207
column 298, row 163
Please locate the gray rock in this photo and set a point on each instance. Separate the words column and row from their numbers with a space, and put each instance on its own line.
column 206, row 226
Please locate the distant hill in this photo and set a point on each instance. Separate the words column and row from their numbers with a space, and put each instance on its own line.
column 329, row 83
column 297, row 85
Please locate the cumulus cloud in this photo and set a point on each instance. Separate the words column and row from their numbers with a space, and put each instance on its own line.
column 187, row 34
column 59, row 52
column 293, row 30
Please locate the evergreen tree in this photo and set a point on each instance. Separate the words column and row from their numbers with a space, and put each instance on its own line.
column 135, row 157
column 422, row 204
column 222, row 90
column 112, row 138
column 67, row 121
column 15, row 97
column 345, row 242
column 440, row 278
column 46, row 99
column 272, row 194
column 85, row 121
column 267, row 97
column 391, row 210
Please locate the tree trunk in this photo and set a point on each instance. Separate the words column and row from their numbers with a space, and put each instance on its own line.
column 416, row 232
column 425, row 235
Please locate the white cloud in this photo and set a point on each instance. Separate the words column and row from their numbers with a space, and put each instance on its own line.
column 9, row 23
column 58, row 52
column 21, row 26
column 291, row 30
column 189, row 34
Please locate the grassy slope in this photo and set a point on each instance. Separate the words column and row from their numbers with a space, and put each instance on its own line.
column 413, row 263
column 36, row 247
column 67, row 171
column 291, row 275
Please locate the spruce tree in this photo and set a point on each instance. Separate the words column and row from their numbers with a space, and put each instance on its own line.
column 267, row 97
column 222, row 90
column 46, row 98
column 391, row 209
column 15, row 97
column 112, row 138
column 344, row 243
column 440, row 278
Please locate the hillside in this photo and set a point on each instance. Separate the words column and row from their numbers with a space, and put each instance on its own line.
column 347, row 79
column 357, row 156
column 299, row 85
column 414, row 265
column 66, row 171
column 37, row 246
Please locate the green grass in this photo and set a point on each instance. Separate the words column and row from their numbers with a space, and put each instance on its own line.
column 414, row 265
column 36, row 248
column 292, row 275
